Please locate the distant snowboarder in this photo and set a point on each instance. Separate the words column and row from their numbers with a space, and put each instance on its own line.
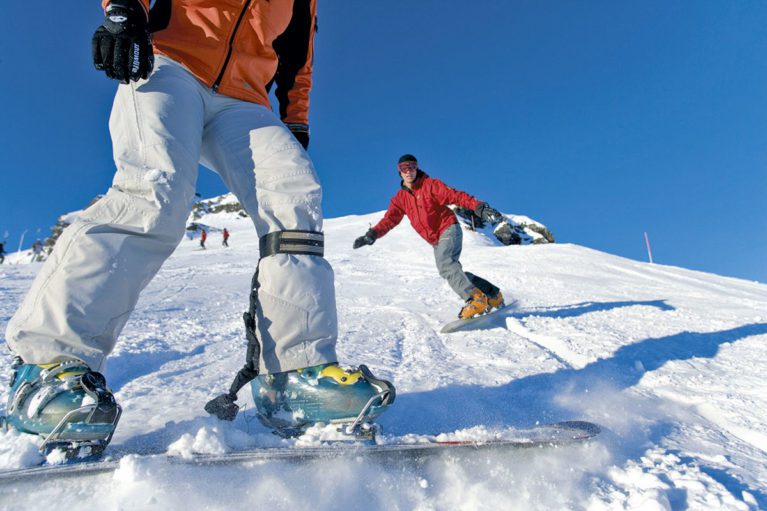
column 204, row 98
column 2, row 252
column 37, row 251
column 424, row 201
column 226, row 238
column 203, row 237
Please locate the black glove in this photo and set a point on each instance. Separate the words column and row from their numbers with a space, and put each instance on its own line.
column 488, row 214
column 301, row 132
column 122, row 46
column 368, row 239
column 223, row 407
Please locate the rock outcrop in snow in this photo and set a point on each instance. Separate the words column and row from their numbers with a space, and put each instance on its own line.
column 222, row 204
column 515, row 230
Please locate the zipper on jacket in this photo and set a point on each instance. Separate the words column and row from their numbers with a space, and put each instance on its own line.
column 229, row 51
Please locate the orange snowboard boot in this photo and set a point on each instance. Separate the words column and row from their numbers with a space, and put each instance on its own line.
column 496, row 301
column 476, row 305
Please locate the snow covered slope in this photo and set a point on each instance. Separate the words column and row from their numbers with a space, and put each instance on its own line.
column 670, row 361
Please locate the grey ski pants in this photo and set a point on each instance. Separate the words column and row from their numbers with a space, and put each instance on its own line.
column 161, row 129
column 447, row 251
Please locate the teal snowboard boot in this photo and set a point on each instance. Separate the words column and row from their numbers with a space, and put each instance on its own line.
column 293, row 401
column 66, row 404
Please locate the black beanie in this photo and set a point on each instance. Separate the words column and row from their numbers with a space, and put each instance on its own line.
column 406, row 157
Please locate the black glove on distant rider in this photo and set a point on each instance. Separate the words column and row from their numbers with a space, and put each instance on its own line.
column 488, row 214
column 368, row 239
column 122, row 46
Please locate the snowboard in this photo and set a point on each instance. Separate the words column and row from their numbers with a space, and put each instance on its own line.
column 468, row 324
column 399, row 449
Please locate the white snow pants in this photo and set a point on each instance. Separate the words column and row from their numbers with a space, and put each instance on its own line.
column 161, row 128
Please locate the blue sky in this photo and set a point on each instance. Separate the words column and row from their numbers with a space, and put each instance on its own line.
column 600, row 119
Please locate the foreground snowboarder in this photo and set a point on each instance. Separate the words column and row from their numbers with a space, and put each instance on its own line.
column 204, row 98
column 424, row 201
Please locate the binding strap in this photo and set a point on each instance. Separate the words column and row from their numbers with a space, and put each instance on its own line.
column 279, row 242
column 292, row 242
column 224, row 406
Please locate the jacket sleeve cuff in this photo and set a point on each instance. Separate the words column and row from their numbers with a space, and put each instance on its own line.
column 297, row 127
column 143, row 4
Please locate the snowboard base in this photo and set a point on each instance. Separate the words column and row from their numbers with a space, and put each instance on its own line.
column 399, row 449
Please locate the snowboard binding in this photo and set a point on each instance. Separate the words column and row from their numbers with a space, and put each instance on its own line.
column 291, row 402
column 66, row 404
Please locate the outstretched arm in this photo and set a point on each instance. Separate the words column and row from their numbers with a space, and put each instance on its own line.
column 446, row 195
column 390, row 220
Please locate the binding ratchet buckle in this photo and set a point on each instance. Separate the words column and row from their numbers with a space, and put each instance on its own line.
column 67, row 405
column 87, row 430
column 292, row 242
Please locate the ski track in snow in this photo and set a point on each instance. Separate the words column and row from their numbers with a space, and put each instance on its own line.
column 669, row 361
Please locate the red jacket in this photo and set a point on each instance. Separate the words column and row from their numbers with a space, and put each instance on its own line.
column 426, row 207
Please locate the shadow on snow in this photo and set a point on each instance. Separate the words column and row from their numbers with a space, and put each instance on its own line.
column 498, row 320
column 125, row 367
column 533, row 397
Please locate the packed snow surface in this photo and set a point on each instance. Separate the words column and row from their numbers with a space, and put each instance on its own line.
column 670, row 362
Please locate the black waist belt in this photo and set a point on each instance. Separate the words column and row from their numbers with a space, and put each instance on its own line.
column 292, row 242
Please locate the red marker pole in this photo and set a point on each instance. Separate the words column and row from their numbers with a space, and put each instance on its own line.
column 647, row 242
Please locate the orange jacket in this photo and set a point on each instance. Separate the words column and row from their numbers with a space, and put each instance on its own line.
column 240, row 48
column 426, row 207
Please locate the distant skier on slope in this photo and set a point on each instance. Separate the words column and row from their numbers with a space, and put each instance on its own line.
column 424, row 201
column 37, row 251
column 203, row 238
column 226, row 238
column 204, row 98
column 2, row 252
